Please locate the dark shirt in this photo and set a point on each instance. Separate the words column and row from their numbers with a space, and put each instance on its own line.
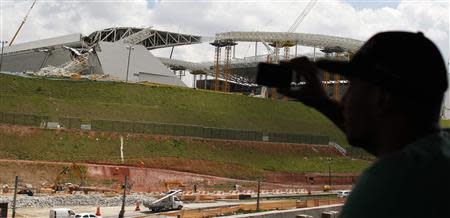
column 413, row 182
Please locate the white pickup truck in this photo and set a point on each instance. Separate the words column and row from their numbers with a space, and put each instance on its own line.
column 168, row 202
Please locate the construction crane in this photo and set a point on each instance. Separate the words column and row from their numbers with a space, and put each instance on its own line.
column 294, row 27
column 302, row 16
column 286, row 44
column 274, row 54
column 23, row 22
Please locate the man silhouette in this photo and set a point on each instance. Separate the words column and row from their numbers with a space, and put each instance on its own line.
column 391, row 109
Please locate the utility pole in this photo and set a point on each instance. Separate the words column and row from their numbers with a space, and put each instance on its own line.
column 329, row 172
column 130, row 47
column 256, row 50
column 257, row 196
column 122, row 210
column 1, row 55
column 15, row 197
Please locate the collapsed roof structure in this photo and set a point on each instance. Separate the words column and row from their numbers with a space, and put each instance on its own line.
column 117, row 53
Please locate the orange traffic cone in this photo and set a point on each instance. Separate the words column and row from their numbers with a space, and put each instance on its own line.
column 137, row 206
column 98, row 212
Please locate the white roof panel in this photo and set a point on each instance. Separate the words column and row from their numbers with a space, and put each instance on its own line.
column 67, row 40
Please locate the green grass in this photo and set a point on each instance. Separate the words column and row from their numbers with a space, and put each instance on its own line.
column 445, row 123
column 91, row 100
column 219, row 158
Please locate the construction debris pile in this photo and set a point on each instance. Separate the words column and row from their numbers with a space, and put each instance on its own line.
column 74, row 200
column 69, row 69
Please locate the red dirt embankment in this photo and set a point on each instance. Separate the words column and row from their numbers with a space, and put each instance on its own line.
column 150, row 179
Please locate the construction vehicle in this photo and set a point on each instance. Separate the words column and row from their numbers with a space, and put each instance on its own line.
column 68, row 173
column 327, row 188
column 175, row 184
column 26, row 191
column 71, row 189
column 74, row 173
column 168, row 202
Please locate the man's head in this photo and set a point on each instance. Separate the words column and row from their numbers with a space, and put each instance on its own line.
column 395, row 78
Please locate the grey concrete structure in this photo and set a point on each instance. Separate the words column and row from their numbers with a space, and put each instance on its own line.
column 143, row 66
column 35, row 59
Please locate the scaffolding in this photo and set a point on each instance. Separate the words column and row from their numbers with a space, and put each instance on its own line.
column 326, row 76
column 216, row 68
column 228, row 44
column 226, row 69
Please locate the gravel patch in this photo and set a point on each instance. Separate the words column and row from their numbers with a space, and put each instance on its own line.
column 24, row 201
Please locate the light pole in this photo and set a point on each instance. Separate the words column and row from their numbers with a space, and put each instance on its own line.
column 15, row 197
column 329, row 171
column 122, row 210
column 1, row 54
column 257, row 197
column 130, row 47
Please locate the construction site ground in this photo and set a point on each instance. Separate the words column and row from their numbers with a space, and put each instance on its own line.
column 194, row 210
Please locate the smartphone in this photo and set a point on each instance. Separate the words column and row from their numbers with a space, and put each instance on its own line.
column 274, row 75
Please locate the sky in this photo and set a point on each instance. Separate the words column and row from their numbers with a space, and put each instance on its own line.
column 347, row 18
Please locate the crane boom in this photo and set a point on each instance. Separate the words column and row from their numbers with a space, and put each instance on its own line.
column 302, row 16
column 23, row 22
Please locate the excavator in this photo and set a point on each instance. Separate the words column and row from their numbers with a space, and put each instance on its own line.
column 72, row 173
column 68, row 172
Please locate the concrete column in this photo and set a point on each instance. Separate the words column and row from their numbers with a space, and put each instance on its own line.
column 256, row 50
column 314, row 55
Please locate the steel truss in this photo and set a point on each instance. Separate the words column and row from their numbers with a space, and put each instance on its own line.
column 304, row 39
column 152, row 39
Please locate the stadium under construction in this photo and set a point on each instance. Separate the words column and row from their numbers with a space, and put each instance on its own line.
column 122, row 54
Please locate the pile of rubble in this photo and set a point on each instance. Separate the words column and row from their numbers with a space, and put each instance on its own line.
column 74, row 200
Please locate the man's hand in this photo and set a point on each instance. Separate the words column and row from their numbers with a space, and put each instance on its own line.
column 312, row 91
